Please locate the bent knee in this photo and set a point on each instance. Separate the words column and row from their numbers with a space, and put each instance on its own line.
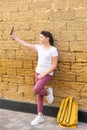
column 36, row 90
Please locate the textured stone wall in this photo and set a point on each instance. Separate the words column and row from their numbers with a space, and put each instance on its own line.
column 67, row 21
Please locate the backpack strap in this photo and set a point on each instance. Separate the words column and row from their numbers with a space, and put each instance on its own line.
column 69, row 109
column 64, row 105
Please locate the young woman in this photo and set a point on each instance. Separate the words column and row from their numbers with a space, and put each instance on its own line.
column 47, row 63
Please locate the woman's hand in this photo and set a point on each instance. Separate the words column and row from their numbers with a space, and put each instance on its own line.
column 40, row 76
column 14, row 37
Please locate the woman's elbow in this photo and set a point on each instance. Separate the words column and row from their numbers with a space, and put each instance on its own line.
column 55, row 66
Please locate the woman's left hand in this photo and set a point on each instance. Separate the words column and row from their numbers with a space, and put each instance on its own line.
column 40, row 76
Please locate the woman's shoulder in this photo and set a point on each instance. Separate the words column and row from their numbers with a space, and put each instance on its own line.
column 38, row 46
column 54, row 48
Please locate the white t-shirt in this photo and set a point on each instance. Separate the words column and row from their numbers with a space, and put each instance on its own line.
column 45, row 58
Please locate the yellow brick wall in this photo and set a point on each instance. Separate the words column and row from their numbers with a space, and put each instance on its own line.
column 67, row 21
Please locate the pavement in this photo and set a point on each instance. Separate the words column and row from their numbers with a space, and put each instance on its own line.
column 13, row 120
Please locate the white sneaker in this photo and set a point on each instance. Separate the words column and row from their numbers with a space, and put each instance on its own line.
column 50, row 97
column 37, row 120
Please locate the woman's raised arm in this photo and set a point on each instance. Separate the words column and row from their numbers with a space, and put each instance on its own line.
column 14, row 37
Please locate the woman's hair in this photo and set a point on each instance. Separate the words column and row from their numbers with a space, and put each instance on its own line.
column 49, row 35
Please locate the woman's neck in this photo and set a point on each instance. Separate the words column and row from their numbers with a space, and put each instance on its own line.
column 46, row 46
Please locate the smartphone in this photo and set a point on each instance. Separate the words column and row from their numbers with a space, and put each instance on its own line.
column 12, row 30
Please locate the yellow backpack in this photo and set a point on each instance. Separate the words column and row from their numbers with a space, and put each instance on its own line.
column 68, row 113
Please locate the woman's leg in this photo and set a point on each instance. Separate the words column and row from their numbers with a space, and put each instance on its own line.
column 40, row 104
column 40, row 91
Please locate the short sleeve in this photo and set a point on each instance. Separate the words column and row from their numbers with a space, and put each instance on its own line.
column 37, row 47
column 54, row 52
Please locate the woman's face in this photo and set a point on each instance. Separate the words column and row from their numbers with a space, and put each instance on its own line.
column 43, row 39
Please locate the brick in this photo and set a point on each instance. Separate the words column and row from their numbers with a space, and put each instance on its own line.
column 57, row 101
column 68, row 36
column 25, row 25
column 11, row 7
column 52, row 15
column 0, row 17
column 84, row 94
column 58, row 4
column 13, row 95
column 29, row 80
column 66, row 57
column 64, row 66
column 0, row 78
column 28, row 65
column 82, row 77
column 23, row 54
column 13, row 79
column 81, row 57
column 60, row 24
column 11, row 71
column 41, row 26
column 6, row 17
column 79, row 67
column 1, row 35
column 26, row 35
column 81, row 13
column 84, row 88
column 11, row 54
column 77, row 24
column 24, row 16
column 61, row 14
column 82, row 103
column 3, row 86
column 3, row 70
column 67, row 92
column 63, row 46
column 34, row 56
column 4, row 27
column 5, row 35
column 65, row 76
column 25, row 72
column 54, row 27
column 3, row 53
column 78, row 46
column 24, row 7
column 24, row 87
column 11, row 63
column 81, row 35
column 42, row 5
column 30, row 97
column 27, row 91
column 12, row 87
column 9, row 45
column 77, row 86
column 62, row 84
column 52, row 83
column 1, row 95
column 77, row 4
column 39, row 15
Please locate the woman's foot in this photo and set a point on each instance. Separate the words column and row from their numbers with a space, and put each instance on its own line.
column 50, row 97
column 39, row 119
